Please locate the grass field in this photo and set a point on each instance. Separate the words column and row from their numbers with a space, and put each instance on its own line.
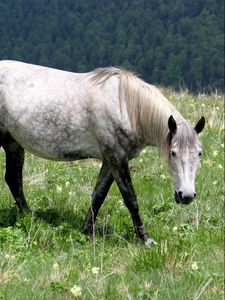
column 46, row 255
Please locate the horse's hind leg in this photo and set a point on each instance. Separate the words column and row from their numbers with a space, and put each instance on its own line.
column 105, row 179
column 14, row 165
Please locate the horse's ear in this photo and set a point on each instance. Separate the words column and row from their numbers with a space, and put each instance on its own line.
column 200, row 125
column 172, row 125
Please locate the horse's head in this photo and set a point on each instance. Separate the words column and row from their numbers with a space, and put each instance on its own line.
column 185, row 150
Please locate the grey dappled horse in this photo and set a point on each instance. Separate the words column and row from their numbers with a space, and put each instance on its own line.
column 108, row 114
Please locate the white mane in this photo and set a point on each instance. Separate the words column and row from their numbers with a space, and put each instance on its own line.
column 148, row 109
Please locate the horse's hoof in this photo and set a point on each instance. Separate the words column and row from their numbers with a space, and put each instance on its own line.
column 150, row 243
column 88, row 230
column 26, row 210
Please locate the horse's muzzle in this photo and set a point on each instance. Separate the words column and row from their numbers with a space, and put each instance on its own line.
column 183, row 200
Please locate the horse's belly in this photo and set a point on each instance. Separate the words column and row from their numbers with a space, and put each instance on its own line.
column 54, row 131
column 59, row 147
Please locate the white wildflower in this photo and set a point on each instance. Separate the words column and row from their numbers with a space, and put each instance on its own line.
column 194, row 266
column 95, row 270
column 215, row 153
column 76, row 290
column 59, row 188
column 55, row 266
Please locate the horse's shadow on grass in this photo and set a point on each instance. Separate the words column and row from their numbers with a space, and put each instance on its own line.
column 52, row 216
column 8, row 217
column 55, row 217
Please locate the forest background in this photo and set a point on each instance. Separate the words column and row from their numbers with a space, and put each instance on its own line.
column 169, row 43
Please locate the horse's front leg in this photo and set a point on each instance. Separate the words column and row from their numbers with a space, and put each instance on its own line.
column 105, row 179
column 118, row 163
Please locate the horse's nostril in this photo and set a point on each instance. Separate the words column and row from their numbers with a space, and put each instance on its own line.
column 180, row 194
column 194, row 195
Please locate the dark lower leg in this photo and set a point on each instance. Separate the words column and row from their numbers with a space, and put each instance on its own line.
column 131, row 203
column 13, row 175
column 121, row 174
column 105, row 179
column 138, row 225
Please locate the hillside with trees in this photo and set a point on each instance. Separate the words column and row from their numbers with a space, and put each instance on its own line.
column 172, row 43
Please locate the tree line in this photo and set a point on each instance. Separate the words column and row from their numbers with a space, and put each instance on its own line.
column 167, row 42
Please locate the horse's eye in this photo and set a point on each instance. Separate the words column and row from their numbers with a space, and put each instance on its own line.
column 173, row 153
column 200, row 153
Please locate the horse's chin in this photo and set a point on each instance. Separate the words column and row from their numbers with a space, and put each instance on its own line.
column 177, row 198
column 185, row 200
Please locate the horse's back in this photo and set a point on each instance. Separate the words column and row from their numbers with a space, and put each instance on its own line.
column 30, row 90
column 19, row 76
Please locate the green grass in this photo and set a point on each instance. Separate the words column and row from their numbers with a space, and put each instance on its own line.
column 44, row 255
